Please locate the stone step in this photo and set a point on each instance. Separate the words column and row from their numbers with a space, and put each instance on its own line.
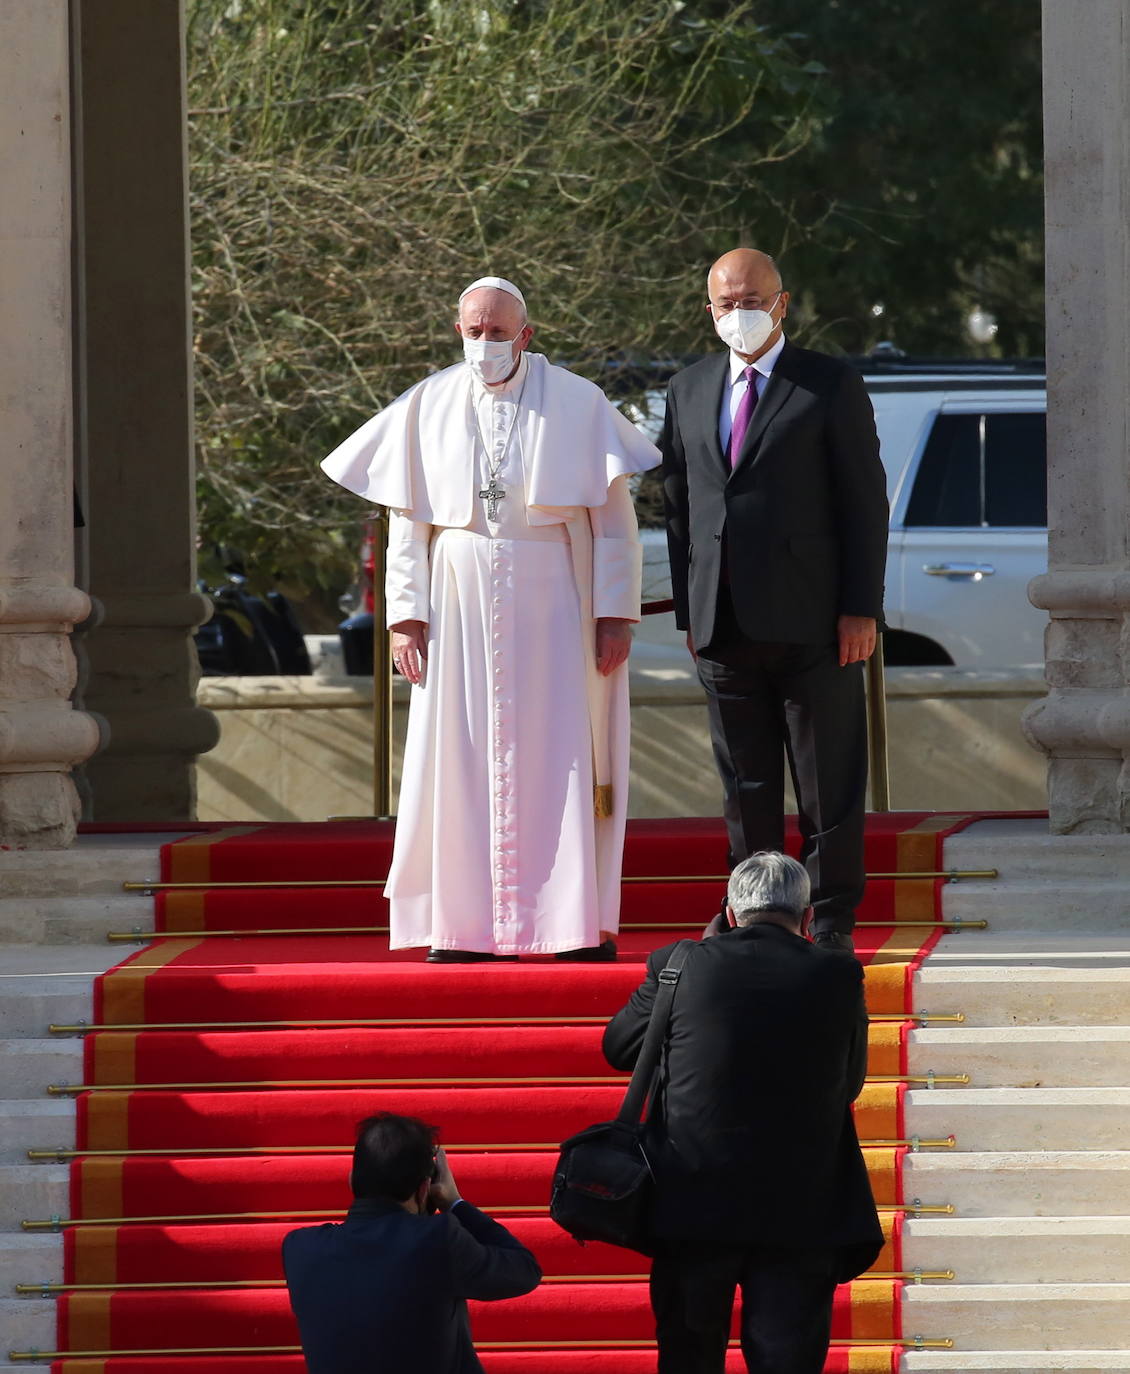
column 995, row 986
column 1022, row 1118
column 95, row 865
column 1022, row 848
column 33, row 1190
column 1025, row 1056
column 30, row 1258
column 1020, row 1250
column 28, row 1324
column 1032, row 903
column 43, row 1123
column 1008, row 1362
column 30, row 1065
column 41, row 984
column 73, row 920
column 1018, row 1316
column 1018, row 1057
column 1040, row 1183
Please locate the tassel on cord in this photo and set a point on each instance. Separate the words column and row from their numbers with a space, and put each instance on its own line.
column 602, row 800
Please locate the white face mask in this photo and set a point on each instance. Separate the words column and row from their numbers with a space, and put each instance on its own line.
column 491, row 360
column 745, row 330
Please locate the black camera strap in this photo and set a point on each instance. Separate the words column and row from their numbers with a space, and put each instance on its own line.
column 636, row 1097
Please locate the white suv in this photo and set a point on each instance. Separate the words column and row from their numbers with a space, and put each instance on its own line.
column 965, row 452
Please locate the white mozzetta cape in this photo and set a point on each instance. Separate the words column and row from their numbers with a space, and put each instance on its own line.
column 417, row 455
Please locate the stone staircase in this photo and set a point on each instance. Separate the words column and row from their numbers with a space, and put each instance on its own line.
column 56, row 910
column 1040, row 1178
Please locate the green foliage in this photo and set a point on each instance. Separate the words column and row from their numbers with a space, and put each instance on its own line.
column 355, row 163
column 923, row 190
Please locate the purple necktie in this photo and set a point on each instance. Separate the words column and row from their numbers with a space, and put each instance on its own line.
column 743, row 417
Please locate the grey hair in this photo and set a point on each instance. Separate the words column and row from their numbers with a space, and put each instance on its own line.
column 768, row 881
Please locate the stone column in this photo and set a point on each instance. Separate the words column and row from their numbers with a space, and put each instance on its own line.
column 135, row 378
column 1084, row 722
column 41, row 736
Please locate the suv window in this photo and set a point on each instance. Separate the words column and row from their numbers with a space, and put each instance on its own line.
column 982, row 470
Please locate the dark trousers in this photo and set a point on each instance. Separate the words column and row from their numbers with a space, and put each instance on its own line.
column 768, row 702
column 786, row 1318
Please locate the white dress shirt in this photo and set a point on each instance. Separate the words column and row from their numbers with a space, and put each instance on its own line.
column 735, row 386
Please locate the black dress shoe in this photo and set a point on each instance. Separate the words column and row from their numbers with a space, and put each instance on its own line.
column 603, row 953
column 835, row 940
column 467, row 956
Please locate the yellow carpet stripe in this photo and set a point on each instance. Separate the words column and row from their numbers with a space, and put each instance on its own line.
column 123, row 989
column 107, row 1121
column 190, row 860
column 100, row 1187
column 184, row 911
column 918, row 847
column 95, row 1254
column 88, row 1321
column 884, row 986
column 873, row 1306
column 115, row 1058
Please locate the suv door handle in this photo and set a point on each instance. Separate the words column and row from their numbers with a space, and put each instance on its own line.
column 973, row 571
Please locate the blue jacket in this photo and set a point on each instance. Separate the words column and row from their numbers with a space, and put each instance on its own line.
column 385, row 1291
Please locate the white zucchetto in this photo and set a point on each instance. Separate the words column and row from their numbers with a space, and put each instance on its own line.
column 499, row 284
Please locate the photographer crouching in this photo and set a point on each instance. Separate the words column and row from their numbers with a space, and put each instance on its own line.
column 387, row 1288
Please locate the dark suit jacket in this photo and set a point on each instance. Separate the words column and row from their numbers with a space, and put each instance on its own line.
column 801, row 520
column 385, row 1291
column 752, row 1138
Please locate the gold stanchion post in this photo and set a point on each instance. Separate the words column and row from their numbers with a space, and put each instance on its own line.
column 382, row 675
column 877, row 730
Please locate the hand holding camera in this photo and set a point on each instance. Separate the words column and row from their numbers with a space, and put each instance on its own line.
column 443, row 1192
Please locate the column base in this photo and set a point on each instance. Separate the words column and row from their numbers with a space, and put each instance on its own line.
column 38, row 810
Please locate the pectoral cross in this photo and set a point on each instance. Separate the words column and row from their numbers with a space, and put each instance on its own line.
column 492, row 494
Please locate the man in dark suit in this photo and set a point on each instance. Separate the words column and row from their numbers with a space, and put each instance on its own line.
column 760, row 1181
column 384, row 1292
column 777, row 529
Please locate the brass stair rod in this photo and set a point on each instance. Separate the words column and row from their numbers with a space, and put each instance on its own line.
column 296, row 884
column 141, row 936
column 398, row 1022
column 53, row 1224
column 535, row 1080
column 494, row 1147
column 41, row 1356
column 879, row 774
column 49, row 1289
column 382, row 673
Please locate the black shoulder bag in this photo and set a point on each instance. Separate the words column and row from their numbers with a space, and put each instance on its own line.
column 603, row 1185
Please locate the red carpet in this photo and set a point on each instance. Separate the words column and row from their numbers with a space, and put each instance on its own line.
column 248, row 1108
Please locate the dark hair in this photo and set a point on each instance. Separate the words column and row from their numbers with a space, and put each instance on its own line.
column 392, row 1157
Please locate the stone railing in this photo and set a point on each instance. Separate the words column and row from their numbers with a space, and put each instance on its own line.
column 296, row 748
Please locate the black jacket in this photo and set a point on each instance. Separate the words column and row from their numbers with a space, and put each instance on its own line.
column 801, row 521
column 752, row 1137
column 384, row 1292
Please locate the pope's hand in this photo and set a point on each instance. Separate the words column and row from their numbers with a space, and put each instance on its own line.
column 857, row 634
column 410, row 649
column 613, row 643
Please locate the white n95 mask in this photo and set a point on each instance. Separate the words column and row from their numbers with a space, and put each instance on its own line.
column 745, row 330
column 491, row 360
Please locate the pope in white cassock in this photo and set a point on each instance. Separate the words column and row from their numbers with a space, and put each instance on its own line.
column 513, row 580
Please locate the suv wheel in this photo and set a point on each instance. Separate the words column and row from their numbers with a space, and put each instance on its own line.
column 901, row 649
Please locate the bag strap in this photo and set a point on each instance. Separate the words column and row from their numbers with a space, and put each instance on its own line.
column 632, row 1109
